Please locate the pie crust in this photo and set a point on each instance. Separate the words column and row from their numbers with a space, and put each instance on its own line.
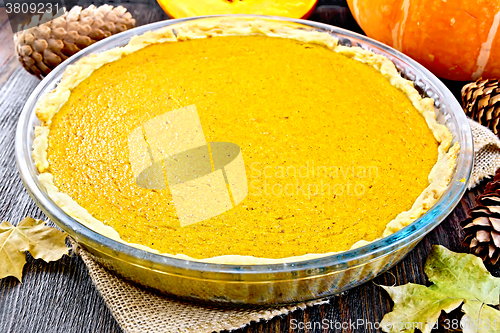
column 49, row 105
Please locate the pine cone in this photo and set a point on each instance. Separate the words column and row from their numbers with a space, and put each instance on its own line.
column 42, row 48
column 481, row 102
column 482, row 227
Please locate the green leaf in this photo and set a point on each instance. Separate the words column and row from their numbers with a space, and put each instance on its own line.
column 457, row 277
column 416, row 306
column 462, row 275
column 30, row 235
column 480, row 318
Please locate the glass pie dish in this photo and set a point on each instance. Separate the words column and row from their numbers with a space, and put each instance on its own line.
column 263, row 284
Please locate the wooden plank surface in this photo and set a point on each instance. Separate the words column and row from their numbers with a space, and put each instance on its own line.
column 60, row 297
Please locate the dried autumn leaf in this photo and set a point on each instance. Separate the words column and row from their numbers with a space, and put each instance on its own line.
column 416, row 306
column 457, row 277
column 462, row 275
column 479, row 318
column 41, row 241
column 12, row 248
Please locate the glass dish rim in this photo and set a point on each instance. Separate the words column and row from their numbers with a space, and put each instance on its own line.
column 358, row 256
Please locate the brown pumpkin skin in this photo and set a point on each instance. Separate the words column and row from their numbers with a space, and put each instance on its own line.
column 286, row 8
column 455, row 39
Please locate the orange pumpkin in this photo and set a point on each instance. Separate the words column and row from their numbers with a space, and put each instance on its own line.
column 455, row 39
column 287, row 8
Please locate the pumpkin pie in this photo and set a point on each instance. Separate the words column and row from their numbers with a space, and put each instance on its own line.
column 241, row 141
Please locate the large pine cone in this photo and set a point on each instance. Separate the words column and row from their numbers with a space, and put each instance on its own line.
column 482, row 227
column 481, row 102
column 42, row 48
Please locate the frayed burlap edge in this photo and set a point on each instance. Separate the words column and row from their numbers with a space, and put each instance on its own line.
column 486, row 153
column 139, row 311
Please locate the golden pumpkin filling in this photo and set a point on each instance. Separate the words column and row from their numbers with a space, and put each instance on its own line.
column 332, row 151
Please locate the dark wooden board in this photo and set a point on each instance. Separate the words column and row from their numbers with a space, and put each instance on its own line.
column 60, row 297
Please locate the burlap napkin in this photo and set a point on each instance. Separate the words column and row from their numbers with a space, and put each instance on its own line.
column 138, row 310
column 486, row 153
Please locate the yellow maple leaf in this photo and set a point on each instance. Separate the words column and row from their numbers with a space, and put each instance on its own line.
column 31, row 235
